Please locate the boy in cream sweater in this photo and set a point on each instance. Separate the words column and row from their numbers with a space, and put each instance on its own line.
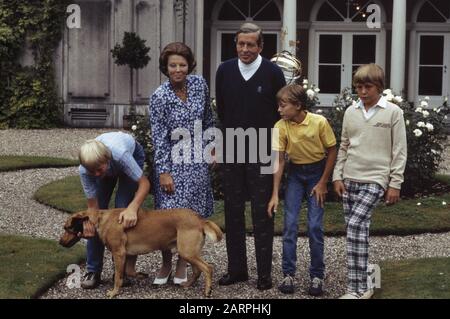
column 370, row 164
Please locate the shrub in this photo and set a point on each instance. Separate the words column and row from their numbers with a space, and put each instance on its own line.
column 425, row 132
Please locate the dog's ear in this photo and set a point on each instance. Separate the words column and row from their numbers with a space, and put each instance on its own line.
column 75, row 219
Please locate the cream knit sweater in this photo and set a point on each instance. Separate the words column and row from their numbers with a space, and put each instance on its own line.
column 374, row 150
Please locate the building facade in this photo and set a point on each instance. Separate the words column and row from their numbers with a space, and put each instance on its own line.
column 409, row 39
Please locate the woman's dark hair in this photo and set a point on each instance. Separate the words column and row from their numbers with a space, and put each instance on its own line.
column 177, row 48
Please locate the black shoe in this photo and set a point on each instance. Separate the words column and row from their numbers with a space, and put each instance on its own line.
column 91, row 280
column 264, row 283
column 287, row 285
column 228, row 279
column 316, row 287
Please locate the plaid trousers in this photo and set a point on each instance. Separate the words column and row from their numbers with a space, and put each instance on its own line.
column 359, row 202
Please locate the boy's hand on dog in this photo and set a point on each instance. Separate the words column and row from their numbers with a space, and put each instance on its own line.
column 88, row 230
column 166, row 183
column 128, row 218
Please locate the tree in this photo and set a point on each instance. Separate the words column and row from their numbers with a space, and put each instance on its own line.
column 134, row 53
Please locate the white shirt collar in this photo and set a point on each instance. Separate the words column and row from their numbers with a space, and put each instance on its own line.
column 247, row 70
column 382, row 102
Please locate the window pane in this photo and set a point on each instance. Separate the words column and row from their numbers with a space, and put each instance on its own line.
column 429, row 14
column 327, row 13
column 330, row 79
column 270, row 46
column 228, row 47
column 364, row 48
column 269, row 13
column 430, row 81
column 361, row 14
column 431, row 50
column 330, row 48
column 228, row 12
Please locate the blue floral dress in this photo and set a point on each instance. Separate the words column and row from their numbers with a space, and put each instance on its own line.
column 191, row 177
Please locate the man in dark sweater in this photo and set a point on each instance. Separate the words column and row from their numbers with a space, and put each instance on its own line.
column 246, row 89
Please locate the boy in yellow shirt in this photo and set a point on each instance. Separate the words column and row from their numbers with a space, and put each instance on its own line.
column 310, row 143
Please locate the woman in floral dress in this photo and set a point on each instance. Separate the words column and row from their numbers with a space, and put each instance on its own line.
column 180, row 107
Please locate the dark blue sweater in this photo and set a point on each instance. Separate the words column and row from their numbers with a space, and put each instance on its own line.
column 249, row 103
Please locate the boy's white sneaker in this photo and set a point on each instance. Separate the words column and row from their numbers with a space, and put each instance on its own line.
column 354, row 295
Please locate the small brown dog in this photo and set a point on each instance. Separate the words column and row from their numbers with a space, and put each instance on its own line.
column 180, row 228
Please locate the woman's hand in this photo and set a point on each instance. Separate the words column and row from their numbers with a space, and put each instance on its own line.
column 320, row 191
column 166, row 183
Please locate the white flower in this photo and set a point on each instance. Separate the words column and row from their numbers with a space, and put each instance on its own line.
column 134, row 127
column 420, row 124
column 317, row 90
column 338, row 108
column 444, row 203
column 419, row 110
column 319, row 111
column 407, row 122
column 387, row 92
column 389, row 97
column 429, row 127
column 137, row 122
column 425, row 113
column 417, row 132
column 310, row 93
column 427, row 98
column 348, row 98
column 434, row 151
column 445, row 117
column 398, row 99
column 424, row 104
column 438, row 110
column 418, row 204
column 305, row 86
column 446, row 99
column 305, row 81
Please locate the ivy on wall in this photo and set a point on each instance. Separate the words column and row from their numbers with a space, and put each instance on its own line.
column 28, row 97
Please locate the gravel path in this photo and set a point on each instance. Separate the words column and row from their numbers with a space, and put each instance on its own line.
column 20, row 214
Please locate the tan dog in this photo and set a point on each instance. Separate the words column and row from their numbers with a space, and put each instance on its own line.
column 182, row 229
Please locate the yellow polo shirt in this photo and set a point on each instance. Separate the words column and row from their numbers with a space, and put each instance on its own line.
column 305, row 142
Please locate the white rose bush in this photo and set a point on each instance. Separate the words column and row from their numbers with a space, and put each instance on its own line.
column 140, row 129
column 425, row 130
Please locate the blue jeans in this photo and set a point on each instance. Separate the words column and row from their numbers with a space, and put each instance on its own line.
column 300, row 182
column 124, row 196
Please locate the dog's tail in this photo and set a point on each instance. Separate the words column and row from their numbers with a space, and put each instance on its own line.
column 212, row 231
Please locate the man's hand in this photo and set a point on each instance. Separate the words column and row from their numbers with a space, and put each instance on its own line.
column 272, row 207
column 320, row 191
column 339, row 188
column 128, row 218
column 88, row 230
column 392, row 196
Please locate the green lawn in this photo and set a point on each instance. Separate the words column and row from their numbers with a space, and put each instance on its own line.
column 12, row 163
column 401, row 219
column 415, row 279
column 29, row 266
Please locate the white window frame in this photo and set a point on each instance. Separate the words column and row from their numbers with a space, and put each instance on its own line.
column 346, row 59
column 435, row 100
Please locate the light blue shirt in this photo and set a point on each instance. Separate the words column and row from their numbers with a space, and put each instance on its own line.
column 122, row 147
